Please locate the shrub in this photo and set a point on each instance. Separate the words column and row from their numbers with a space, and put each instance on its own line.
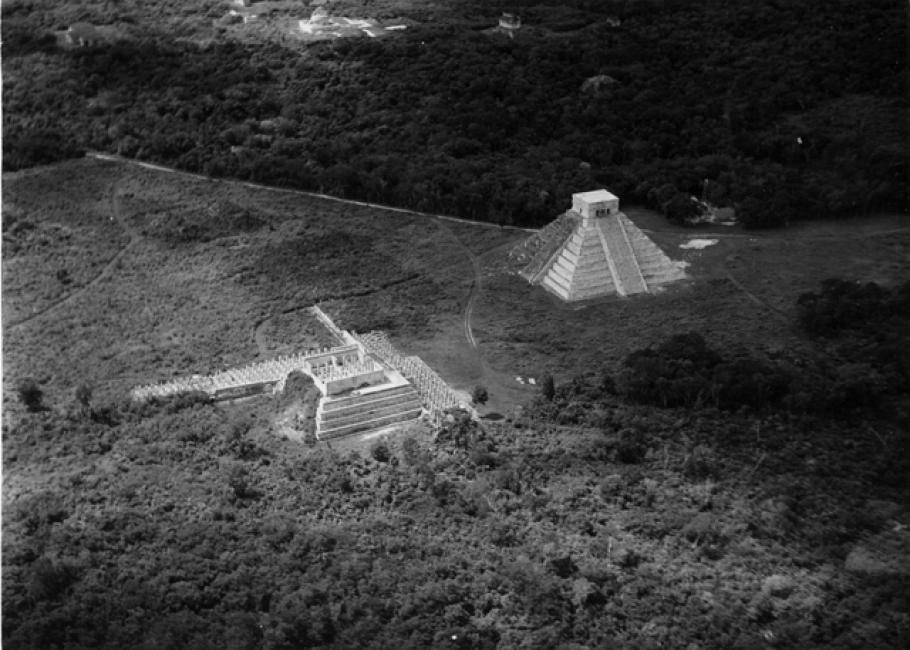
column 759, row 212
column 238, row 481
column 49, row 579
column 479, row 395
column 379, row 450
column 41, row 510
column 632, row 447
column 677, row 373
column 746, row 381
column 611, row 486
column 841, row 305
column 410, row 450
column 681, row 209
column 547, row 387
column 30, row 394
column 685, row 371
column 699, row 463
column 573, row 413
column 463, row 430
column 869, row 324
column 83, row 395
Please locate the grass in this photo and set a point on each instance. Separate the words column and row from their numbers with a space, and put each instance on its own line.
column 217, row 273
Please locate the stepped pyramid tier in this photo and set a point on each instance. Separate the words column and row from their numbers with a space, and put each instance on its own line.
column 594, row 250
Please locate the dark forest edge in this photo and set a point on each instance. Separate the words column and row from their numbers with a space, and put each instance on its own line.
column 701, row 99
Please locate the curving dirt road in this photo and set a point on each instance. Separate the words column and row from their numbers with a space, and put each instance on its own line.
column 472, row 298
column 319, row 195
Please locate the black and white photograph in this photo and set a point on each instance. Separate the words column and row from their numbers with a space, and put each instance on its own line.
column 455, row 324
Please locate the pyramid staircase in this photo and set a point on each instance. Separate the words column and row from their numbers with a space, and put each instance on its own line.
column 581, row 269
column 626, row 270
column 365, row 410
column 603, row 257
column 656, row 268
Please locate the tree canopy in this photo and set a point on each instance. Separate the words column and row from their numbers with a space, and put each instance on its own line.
column 786, row 111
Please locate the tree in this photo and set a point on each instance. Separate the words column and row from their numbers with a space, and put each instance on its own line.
column 479, row 395
column 84, row 395
column 30, row 394
column 756, row 212
column 681, row 209
column 548, row 388
column 380, row 451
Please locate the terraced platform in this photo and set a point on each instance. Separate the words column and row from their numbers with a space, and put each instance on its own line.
column 371, row 408
column 601, row 257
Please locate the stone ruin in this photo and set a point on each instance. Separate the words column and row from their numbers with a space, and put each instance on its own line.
column 509, row 22
column 593, row 251
column 364, row 383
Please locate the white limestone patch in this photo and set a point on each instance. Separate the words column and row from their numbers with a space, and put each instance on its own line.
column 322, row 25
column 698, row 244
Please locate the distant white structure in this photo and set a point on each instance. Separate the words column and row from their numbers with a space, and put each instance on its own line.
column 592, row 205
column 597, row 82
column 594, row 250
column 321, row 24
column 83, row 34
column 364, row 383
column 509, row 22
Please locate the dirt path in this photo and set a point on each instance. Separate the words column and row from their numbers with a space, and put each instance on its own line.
column 472, row 298
column 259, row 335
column 318, row 195
column 758, row 301
column 116, row 214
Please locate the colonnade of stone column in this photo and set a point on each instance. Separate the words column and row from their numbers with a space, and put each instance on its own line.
column 434, row 392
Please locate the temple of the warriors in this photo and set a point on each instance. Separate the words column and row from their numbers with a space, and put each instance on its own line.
column 364, row 383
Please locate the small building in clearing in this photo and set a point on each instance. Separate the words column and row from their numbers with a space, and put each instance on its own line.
column 509, row 22
column 83, row 34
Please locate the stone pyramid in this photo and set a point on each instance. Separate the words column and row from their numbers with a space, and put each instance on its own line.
column 603, row 254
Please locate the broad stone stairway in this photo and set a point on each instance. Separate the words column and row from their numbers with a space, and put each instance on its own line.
column 369, row 408
column 656, row 268
column 629, row 278
column 581, row 269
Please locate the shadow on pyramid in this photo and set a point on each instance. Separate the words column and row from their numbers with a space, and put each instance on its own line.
column 593, row 251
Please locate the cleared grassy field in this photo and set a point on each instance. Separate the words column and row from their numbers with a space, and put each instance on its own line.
column 170, row 275
column 214, row 274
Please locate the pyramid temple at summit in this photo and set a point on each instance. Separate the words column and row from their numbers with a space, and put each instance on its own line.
column 593, row 251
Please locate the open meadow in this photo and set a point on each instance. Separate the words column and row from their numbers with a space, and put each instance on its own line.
column 115, row 274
